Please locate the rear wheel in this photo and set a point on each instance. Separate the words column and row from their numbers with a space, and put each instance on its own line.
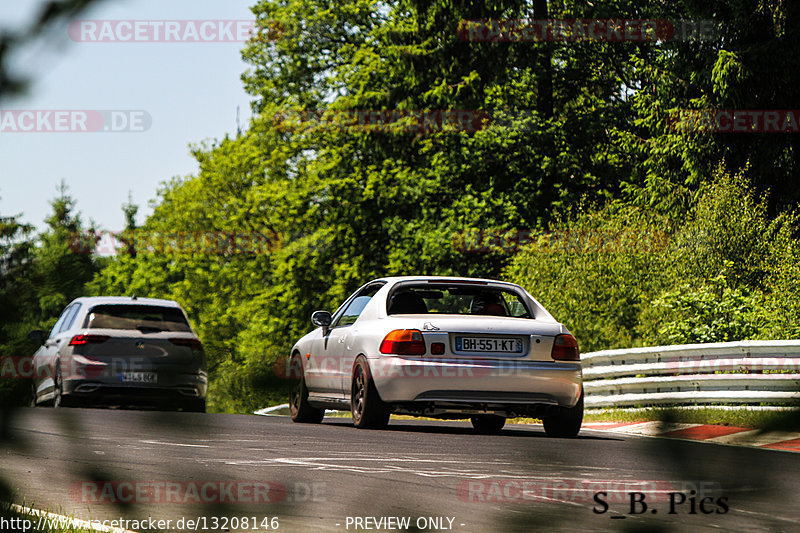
column 566, row 422
column 299, row 408
column 488, row 424
column 58, row 388
column 369, row 411
column 33, row 402
column 195, row 406
column 59, row 399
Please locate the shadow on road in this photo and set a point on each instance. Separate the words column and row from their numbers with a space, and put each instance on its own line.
column 447, row 428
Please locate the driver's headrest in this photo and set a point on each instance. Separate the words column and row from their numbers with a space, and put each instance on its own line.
column 407, row 303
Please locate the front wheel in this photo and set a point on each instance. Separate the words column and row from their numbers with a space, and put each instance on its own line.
column 299, row 408
column 488, row 424
column 566, row 422
column 369, row 411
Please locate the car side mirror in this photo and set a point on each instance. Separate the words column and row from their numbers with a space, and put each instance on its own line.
column 321, row 319
column 37, row 336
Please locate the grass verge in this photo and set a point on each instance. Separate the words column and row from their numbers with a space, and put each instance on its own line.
column 788, row 420
column 748, row 418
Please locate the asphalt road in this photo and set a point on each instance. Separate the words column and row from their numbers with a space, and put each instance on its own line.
column 437, row 475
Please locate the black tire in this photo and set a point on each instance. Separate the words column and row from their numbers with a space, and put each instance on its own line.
column 58, row 389
column 32, row 402
column 369, row 411
column 59, row 399
column 566, row 422
column 488, row 424
column 195, row 406
column 299, row 408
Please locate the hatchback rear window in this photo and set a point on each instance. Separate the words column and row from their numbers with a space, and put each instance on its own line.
column 146, row 318
column 457, row 299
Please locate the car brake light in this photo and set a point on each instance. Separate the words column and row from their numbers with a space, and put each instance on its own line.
column 565, row 348
column 191, row 343
column 78, row 340
column 403, row 342
column 456, row 282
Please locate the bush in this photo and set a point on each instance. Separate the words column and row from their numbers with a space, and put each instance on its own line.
column 729, row 272
column 594, row 271
column 713, row 312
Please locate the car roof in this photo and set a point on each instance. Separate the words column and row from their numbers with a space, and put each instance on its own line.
column 125, row 300
column 393, row 280
column 454, row 279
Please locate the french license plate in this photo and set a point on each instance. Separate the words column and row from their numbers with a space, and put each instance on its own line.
column 486, row 344
column 139, row 377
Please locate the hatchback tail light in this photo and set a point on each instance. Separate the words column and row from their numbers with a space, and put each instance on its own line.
column 79, row 340
column 191, row 343
column 403, row 342
column 565, row 348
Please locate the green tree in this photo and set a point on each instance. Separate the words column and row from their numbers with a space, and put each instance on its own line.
column 62, row 262
column 39, row 277
column 750, row 64
column 16, row 245
column 627, row 276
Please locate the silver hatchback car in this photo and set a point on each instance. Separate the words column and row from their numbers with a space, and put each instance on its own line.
column 121, row 351
column 439, row 347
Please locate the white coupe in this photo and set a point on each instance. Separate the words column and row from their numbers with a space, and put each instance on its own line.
column 439, row 347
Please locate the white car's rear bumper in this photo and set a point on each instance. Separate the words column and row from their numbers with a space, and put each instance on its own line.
column 476, row 380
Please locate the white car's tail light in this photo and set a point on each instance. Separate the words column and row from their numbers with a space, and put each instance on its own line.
column 79, row 340
column 565, row 348
column 403, row 342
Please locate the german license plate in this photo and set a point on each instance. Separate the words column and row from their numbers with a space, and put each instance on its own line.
column 488, row 344
column 139, row 377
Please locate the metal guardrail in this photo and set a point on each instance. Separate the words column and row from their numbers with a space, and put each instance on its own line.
column 729, row 373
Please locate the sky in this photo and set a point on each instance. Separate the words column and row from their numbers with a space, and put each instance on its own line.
column 182, row 93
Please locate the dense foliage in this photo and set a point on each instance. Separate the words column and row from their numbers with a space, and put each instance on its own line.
column 641, row 233
column 624, row 276
column 38, row 279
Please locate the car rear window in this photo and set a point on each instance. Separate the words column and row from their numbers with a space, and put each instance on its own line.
column 454, row 299
column 146, row 318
